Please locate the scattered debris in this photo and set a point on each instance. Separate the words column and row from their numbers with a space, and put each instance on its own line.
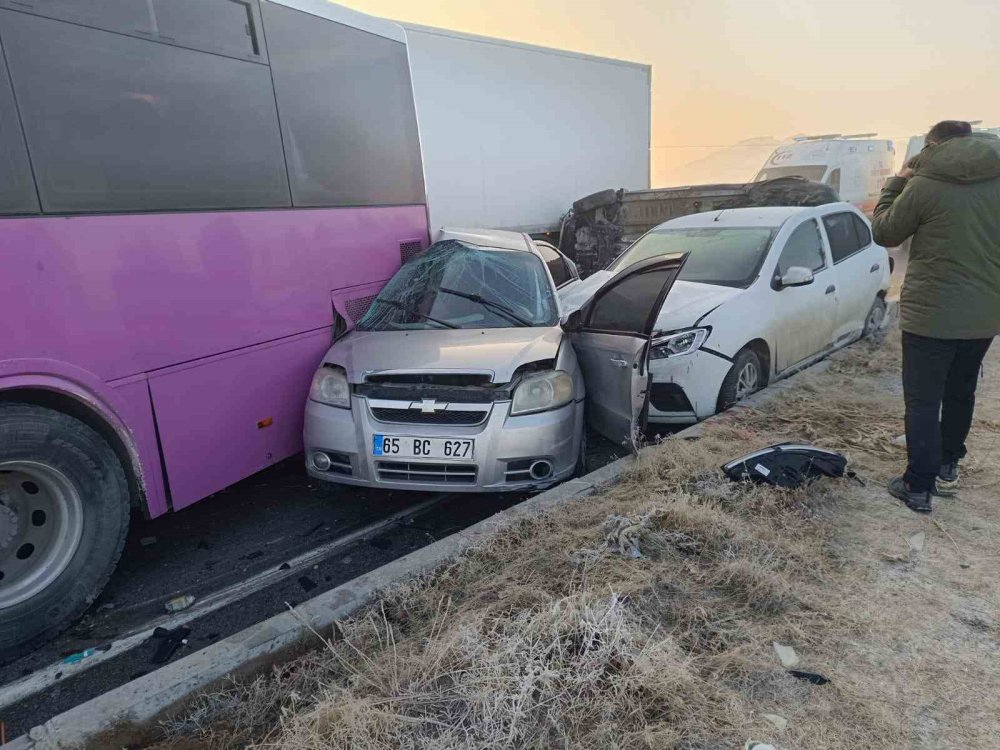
column 787, row 655
column 284, row 566
column 147, row 541
column 812, row 677
column 178, row 603
column 786, row 465
column 170, row 641
column 307, row 583
column 751, row 745
column 347, row 560
column 916, row 542
column 634, row 537
column 778, row 722
column 87, row 652
column 900, row 441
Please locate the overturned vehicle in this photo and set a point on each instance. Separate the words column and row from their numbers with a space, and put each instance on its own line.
column 465, row 374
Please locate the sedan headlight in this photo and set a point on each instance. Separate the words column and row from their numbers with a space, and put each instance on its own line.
column 676, row 344
column 542, row 391
column 329, row 386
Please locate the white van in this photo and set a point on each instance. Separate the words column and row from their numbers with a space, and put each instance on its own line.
column 856, row 166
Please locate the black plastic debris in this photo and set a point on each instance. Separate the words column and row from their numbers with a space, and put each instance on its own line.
column 307, row 583
column 786, row 465
column 811, row 677
column 170, row 641
column 284, row 566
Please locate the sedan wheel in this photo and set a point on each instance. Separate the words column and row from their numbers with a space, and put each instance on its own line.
column 745, row 377
column 748, row 380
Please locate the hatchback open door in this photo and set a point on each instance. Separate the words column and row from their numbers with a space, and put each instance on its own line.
column 611, row 334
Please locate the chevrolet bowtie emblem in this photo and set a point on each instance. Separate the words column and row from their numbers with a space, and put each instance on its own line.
column 429, row 406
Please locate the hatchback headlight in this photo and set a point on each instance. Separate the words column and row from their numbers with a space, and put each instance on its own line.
column 676, row 344
column 542, row 391
column 329, row 386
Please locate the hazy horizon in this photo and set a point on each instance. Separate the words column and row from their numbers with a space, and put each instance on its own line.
column 727, row 71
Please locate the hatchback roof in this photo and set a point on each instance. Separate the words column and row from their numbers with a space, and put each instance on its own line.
column 495, row 238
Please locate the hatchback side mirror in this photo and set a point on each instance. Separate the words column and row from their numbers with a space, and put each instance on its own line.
column 796, row 276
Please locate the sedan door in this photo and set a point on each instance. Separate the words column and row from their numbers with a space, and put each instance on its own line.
column 859, row 265
column 804, row 314
column 611, row 334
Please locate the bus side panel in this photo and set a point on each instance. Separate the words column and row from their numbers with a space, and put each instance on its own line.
column 136, row 409
column 226, row 417
column 126, row 294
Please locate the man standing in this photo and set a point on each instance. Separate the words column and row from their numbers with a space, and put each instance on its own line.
column 948, row 199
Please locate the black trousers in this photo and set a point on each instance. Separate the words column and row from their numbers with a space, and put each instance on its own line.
column 939, row 389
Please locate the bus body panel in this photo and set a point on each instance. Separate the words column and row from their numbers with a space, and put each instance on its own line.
column 132, row 293
column 227, row 417
column 169, row 296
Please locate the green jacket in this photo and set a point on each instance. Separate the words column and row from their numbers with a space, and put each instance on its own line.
column 951, row 208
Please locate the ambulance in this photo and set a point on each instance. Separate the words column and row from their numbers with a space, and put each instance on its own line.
column 856, row 166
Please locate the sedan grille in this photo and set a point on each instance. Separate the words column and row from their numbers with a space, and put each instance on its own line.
column 399, row 471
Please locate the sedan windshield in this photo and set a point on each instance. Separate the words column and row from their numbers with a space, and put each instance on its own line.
column 730, row 256
column 455, row 285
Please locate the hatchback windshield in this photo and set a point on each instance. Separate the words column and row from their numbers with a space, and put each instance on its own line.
column 455, row 285
column 812, row 172
column 729, row 256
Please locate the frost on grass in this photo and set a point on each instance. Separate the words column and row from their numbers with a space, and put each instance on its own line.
column 644, row 617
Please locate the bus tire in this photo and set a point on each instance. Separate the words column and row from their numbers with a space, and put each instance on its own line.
column 64, row 514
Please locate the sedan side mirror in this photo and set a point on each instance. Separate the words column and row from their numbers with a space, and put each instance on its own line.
column 796, row 276
column 574, row 322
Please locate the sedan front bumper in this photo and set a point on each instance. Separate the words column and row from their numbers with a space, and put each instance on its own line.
column 505, row 449
column 686, row 388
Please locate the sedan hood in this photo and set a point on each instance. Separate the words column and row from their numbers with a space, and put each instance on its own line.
column 499, row 351
column 687, row 302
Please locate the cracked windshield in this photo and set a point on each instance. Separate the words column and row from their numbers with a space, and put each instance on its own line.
column 455, row 285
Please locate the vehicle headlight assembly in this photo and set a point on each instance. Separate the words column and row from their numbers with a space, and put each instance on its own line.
column 678, row 344
column 541, row 392
column 330, row 387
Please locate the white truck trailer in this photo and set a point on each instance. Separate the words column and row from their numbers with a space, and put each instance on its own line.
column 511, row 134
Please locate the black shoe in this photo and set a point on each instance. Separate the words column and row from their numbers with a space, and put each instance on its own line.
column 947, row 479
column 918, row 502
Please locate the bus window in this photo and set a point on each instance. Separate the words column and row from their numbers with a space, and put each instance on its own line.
column 346, row 110
column 116, row 123
column 226, row 27
column 17, row 189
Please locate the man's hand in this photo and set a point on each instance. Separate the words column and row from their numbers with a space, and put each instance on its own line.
column 907, row 171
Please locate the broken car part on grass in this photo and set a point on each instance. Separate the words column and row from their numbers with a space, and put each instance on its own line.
column 787, row 465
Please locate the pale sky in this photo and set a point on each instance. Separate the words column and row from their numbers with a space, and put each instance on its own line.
column 728, row 70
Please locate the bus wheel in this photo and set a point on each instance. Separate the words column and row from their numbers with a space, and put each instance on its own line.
column 64, row 510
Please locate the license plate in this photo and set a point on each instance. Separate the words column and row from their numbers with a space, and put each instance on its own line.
column 396, row 446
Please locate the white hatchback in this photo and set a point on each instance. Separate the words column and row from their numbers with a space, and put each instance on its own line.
column 763, row 293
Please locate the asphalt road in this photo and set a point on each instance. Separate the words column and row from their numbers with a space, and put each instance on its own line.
column 248, row 531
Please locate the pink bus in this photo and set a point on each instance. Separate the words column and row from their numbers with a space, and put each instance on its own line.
column 193, row 193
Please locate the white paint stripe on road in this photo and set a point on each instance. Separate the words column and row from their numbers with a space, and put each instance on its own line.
column 46, row 677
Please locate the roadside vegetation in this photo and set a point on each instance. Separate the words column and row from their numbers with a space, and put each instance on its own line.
column 645, row 617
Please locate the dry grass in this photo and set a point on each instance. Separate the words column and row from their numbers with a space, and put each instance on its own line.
column 644, row 617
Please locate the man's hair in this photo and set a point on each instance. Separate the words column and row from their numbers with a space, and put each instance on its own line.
column 948, row 129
